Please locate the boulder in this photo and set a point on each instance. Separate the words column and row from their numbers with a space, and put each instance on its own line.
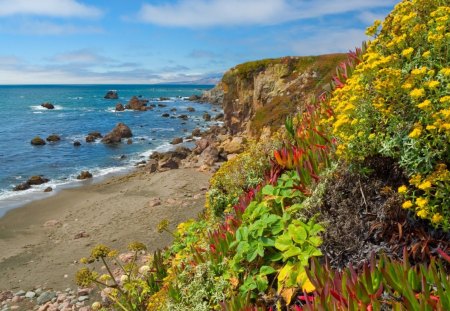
column 219, row 117
column 137, row 104
column 165, row 115
column 37, row 141
column 168, row 164
column 90, row 139
column 181, row 152
column 119, row 107
column 177, row 140
column 76, row 143
column 48, row 189
column 183, row 117
column 234, row 145
column 201, row 145
column 53, row 138
column 206, row 116
column 194, row 98
column 45, row 297
column 84, row 175
column 162, row 105
column 116, row 135
column 164, row 98
column 151, row 166
column 112, row 95
column 210, row 155
column 37, row 180
column 129, row 141
column 190, row 109
column 48, row 105
column 173, row 109
column 22, row 186
column 197, row 132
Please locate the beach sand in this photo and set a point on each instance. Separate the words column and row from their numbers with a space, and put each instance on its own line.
column 39, row 246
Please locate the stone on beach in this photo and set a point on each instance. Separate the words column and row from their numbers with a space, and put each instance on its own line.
column 84, row 175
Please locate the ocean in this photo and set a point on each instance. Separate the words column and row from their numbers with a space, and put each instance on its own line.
column 80, row 109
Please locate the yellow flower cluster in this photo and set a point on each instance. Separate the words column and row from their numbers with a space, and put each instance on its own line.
column 397, row 103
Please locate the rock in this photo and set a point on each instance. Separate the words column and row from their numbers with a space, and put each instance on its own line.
column 52, row 223
column 165, row 115
column 16, row 299
column 48, row 189
column 48, row 106
column 137, row 104
column 190, row 109
column 183, row 117
column 206, row 116
column 177, row 140
column 22, row 186
column 214, row 96
column 84, row 291
column 173, row 109
column 112, row 95
column 53, row 138
column 84, row 175
column 164, row 98
column 45, row 297
column 37, row 141
column 151, row 166
column 6, row 295
column 20, row 293
column 129, row 141
column 37, row 180
column 116, row 135
column 80, row 235
column 119, row 107
column 30, row 295
column 197, row 132
column 162, row 105
column 95, row 134
column 83, row 298
column 219, row 117
column 210, row 155
column 235, row 145
column 201, row 145
column 76, row 143
column 154, row 202
column 194, row 98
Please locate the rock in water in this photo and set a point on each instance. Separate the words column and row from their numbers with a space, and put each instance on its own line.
column 21, row 187
column 84, row 175
column 206, row 116
column 37, row 141
column 116, row 135
column 48, row 105
column 53, row 138
column 48, row 189
column 37, row 180
column 137, row 104
column 111, row 95
column 76, row 143
column 119, row 107
column 92, row 136
column 177, row 140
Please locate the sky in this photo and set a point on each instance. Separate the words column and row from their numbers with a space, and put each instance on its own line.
column 159, row 41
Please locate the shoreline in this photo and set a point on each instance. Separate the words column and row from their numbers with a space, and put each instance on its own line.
column 42, row 241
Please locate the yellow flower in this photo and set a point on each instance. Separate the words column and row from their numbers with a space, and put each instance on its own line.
column 425, row 185
column 431, row 127
column 425, row 104
column 422, row 213
column 402, row 189
column 421, row 202
column 407, row 52
column 419, row 71
column 372, row 136
column 433, row 84
column 417, row 93
column 407, row 204
column 426, row 54
column 407, row 86
column 444, row 99
column 445, row 72
column 415, row 133
column 437, row 218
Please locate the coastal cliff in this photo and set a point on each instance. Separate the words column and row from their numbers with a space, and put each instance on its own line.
column 260, row 94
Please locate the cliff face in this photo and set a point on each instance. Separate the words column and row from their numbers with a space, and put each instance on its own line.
column 261, row 94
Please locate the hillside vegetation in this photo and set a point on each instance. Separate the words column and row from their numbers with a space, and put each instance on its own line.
column 358, row 181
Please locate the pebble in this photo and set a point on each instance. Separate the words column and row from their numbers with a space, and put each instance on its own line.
column 45, row 297
column 30, row 295
column 20, row 293
column 83, row 298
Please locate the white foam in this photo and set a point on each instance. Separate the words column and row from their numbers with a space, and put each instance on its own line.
column 39, row 107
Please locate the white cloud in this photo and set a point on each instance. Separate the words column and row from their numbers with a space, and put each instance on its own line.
column 83, row 56
column 204, row 13
column 50, row 8
column 330, row 41
column 35, row 27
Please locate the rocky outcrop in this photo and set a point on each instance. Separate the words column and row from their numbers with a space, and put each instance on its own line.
column 116, row 135
column 177, row 140
column 84, row 175
column 48, row 105
column 37, row 141
column 53, row 138
column 213, row 96
column 136, row 103
column 92, row 136
column 262, row 93
column 112, row 95
column 37, row 180
column 120, row 107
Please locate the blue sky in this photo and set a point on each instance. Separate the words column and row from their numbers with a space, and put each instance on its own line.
column 153, row 41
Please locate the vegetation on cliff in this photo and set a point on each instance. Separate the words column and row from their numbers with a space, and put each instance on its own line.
column 361, row 172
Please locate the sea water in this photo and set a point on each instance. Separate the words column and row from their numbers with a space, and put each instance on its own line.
column 80, row 109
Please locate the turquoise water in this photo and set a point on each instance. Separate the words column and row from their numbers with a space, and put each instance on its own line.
column 78, row 111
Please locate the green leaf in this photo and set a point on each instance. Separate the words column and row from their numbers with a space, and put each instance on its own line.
column 298, row 233
column 291, row 252
column 268, row 190
column 283, row 242
column 265, row 270
column 267, row 241
column 275, row 256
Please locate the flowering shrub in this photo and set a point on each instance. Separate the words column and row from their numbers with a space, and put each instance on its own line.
column 397, row 104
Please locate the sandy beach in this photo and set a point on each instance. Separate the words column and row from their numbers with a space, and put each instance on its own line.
column 41, row 242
